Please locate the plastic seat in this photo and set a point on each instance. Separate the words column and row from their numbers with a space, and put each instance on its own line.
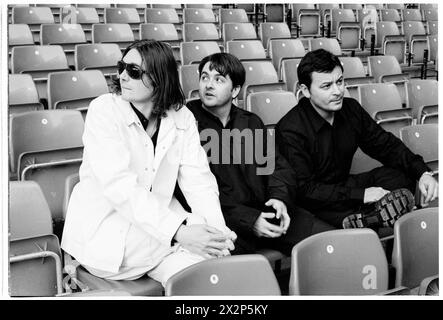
column 415, row 35
column 270, row 30
column 66, row 35
column 38, row 61
column 354, row 75
column 29, row 214
column 308, row 21
column 415, row 253
column 22, row 94
column 260, row 76
column 140, row 7
column 270, row 106
column 232, row 15
column 340, row 15
column 411, row 15
column 367, row 19
column 383, row 103
column 194, row 52
column 165, row 32
column 100, row 8
column 198, row 15
column 199, row 5
column 396, row 6
column 34, row 17
column 345, row 27
column 19, row 35
column 329, row 44
column 75, row 89
column 70, row 183
column 280, row 49
column 119, row 33
column 189, row 80
column 289, row 73
column 325, row 11
column 274, row 12
column 238, row 31
column 389, row 40
column 100, row 56
column 390, row 15
column 246, row 49
column 233, row 275
column 199, row 32
column 423, row 99
column 339, row 262
column 124, row 15
column 46, row 146
column 86, row 17
column 161, row 15
column 432, row 27
column 35, row 267
column 430, row 11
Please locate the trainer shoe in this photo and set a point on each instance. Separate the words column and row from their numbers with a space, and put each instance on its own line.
column 382, row 213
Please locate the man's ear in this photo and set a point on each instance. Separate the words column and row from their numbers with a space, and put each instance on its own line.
column 305, row 90
column 235, row 92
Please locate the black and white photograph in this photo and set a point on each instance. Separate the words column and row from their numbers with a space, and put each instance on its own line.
column 217, row 150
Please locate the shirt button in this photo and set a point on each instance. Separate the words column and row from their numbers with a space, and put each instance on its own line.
column 153, row 170
column 146, row 169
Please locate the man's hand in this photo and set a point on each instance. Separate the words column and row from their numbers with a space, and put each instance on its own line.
column 204, row 240
column 281, row 212
column 428, row 187
column 373, row 194
column 263, row 228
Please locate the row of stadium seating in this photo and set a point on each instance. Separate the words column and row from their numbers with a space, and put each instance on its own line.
column 341, row 262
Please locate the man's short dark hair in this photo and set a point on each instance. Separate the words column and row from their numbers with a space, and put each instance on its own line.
column 159, row 62
column 318, row 60
column 225, row 64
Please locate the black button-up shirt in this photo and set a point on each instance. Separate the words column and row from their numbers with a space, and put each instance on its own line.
column 321, row 154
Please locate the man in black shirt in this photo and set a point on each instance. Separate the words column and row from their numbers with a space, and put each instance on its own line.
column 319, row 137
column 233, row 138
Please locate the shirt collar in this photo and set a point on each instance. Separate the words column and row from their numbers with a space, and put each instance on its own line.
column 232, row 114
column 316, row 119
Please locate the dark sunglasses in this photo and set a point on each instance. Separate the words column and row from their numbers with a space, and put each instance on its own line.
column 134, row 71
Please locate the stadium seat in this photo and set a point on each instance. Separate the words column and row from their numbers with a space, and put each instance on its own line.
column 260, row 76
column 274, row 12
column 119, row 33
column 22, row 94
column 423, row 100
column 100, row 56
column 415, row 35
column 19, row 35
column 34, row 17
column 367, row 19
column 281, row 49
column 189, row 80
column 246, row 49
column 47, row 151
column 238, row 31
column 35, row 267
column 339, row 16
column 29, row 214
column 270, row 30
column 100, row 8
column 124, row 15
column 433, row 54
column 198, row 15
column 383, row 103
column 387, row 69
column 195, row 51
column 232, row 275
column 231, row 15
column 165, row 32
column 70, row 183
column 396, row 6
column 38, row 61
column 432, row 27
column 430, row 13
column 65, row 35
column 140, row 7
column 270, row 106
column 423, row 140
column 415, row 253
column 199, row 5
column 289, row 73
column 86, row 17
column 389, row 40
column 354, row 75
column 200, row 32
column 325, row 11
column 306, row 18
column 339, row 262
column 75, row 89
column 161, row 15
column 392, row 15
column 329, row 44
column 411, row 15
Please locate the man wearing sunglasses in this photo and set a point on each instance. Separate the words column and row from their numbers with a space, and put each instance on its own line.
column 123, row 220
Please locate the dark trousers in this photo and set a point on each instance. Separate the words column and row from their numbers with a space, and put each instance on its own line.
column 384, row 177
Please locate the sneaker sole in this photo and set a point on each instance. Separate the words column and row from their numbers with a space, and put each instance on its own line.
column 387, row 210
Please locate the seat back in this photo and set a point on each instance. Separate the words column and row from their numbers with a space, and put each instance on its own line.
column 232, row 275
column 341, row 15
column 29, row 214
column 87, row 15
column 389, row 28
column 422, row 139
column 339, row 262
column 161, row 15
column 38, row 60
column 194, row 52
column 32, row 16
column 119, row 33
column 269, row 30
column 274, row 12
column 232, row 15
column 433, row 47
column 377, row 97
column 43, row 130
column 280, row 49
column 189, row 80
column 432, row 27
column 122, row 15
column 70, row 183
column 379, row 66
column 246, row 49
column 270, row 106
column 158, row 31
column 35, row 268
column 238, row 31
column 19, row 35
column 390, row 15
column 75, row 89
column 101, row 56
column 411, row 28
column 22, row 94
column 415, row 253
column 411, row 15
column 289, row 73
column 422, row 92
column 198, row 15
column 296, row 7
column 352, row 67
column 329, row 44
column 62, row 34
column 258, row 72
column 199, row 31
column 430, row 13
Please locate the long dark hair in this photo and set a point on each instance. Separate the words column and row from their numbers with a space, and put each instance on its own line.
column 159, row 63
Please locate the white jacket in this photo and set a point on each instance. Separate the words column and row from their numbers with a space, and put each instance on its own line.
column 122, row 182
